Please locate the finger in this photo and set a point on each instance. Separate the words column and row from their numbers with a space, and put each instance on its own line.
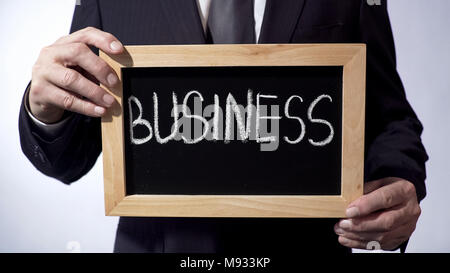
column 352, row 243
column 79, row 54
column 71, row 80
column 358, row 236
column 383, row 221
column 95, row 37
column 70, row 102
column 383, row 198
column 386, row 240
column 85, row 74
column 373, row 185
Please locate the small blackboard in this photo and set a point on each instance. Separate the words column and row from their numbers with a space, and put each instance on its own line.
column 240, row 165
column 235, row 131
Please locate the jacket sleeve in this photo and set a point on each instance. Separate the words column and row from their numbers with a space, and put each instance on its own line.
column 72, row 153
column 393, row 131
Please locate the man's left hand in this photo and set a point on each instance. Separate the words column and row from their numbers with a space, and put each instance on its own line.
column 387, row 213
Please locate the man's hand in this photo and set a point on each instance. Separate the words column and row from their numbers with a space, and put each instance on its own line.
column 387, row 213
column 57, row 83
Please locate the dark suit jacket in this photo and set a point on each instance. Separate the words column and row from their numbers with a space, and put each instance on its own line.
column 393, row 144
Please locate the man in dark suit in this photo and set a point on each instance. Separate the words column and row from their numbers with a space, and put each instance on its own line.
column 60, row 126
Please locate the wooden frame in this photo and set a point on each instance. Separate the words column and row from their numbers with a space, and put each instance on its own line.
column 351, row 56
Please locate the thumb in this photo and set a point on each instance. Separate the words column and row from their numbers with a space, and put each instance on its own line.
column 382, row 198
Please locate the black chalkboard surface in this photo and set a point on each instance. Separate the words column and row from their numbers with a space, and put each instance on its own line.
column 273, row 130
column 234, row 167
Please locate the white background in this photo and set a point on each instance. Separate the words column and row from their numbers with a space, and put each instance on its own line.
column 40, row 214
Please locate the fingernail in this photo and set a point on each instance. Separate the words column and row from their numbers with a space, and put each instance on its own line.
column 352, row 212
column 108, row 99
column 99, row 110
column 115, row 46
column 345, row 224
column 112, row 79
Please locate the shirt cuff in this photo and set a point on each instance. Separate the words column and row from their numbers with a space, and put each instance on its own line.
column 50, row 130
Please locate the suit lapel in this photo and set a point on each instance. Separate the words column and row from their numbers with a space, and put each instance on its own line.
column 184, row 21
column 280, row 19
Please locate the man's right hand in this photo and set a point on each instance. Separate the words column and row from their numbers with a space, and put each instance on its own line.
column 57, row 83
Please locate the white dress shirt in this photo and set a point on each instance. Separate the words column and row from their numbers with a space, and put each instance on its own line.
column 258, row 13
column 203, row 5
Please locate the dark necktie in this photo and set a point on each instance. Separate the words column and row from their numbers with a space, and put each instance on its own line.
column 231, row 22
